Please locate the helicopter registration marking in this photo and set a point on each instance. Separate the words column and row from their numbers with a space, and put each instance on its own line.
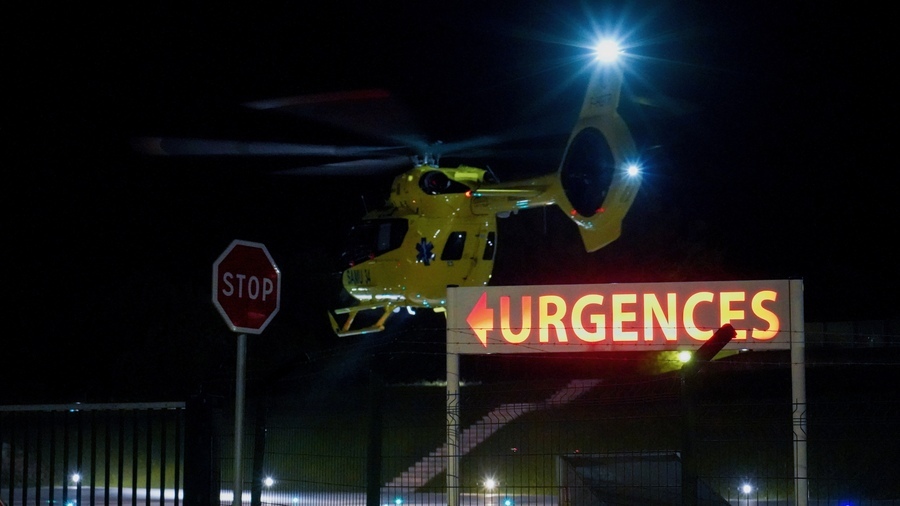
column 601, row 100
column 620, row 316
column 359, row 277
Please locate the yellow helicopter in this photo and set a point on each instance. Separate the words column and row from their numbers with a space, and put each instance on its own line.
column 438, row 228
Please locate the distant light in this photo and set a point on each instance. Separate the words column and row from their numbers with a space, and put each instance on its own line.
column 746, row 488
column 268, row 481
column 76, row 477
column 607, row 51
column 295, row 500
column 508, row 502
column 490, row 483
column 633, row 169
column 398, row 501
column 684, row 357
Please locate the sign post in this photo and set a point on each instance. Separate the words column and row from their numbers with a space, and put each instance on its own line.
column 246, row 290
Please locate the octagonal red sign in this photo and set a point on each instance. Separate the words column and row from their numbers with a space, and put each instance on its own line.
column 246, row 286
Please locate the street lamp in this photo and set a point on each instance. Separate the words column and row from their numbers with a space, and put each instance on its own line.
column 746, row 489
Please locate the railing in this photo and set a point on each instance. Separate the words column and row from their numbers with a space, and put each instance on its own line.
column 539, row 432
column 76, row 454
column 574, row 441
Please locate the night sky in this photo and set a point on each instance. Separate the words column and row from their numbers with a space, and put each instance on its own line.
column 769, row 153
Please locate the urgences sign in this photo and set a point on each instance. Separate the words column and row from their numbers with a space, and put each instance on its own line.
column 619, row 317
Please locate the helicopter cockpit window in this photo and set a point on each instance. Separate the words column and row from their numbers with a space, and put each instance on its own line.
column 436, row 182
column 372, row 238
column 453, row 249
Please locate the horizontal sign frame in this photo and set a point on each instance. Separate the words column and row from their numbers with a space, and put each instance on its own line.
column 620, row 316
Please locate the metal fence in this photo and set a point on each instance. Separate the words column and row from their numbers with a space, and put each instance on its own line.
column 582, row 440
column 77, row 454
column 539, row 431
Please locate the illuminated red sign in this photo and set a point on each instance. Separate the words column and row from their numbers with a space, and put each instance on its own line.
column 625, row 317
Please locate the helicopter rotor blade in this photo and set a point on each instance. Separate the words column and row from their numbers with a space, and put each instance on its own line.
column 167, row 146
column 374, row 113
column 378, row 114
column 379, row 117
column 365, row 166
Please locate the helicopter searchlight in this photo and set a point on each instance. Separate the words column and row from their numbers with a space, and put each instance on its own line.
column 607, row 51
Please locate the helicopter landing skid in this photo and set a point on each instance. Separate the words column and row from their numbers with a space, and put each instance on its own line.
column 351, row 312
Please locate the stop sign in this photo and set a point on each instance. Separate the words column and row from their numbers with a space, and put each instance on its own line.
column 246, row 286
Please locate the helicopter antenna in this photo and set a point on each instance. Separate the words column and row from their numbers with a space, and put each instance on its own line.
column 433, row 156
column 494, row 178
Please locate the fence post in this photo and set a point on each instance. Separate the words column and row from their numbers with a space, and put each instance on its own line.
column 259, row 449
column 373, row 455
column 798, row 395
column 689, row 422
column 452, row 456
column 706, row 352
column 199, row 453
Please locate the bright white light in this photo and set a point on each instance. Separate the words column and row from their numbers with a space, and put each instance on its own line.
column 746, row 488
column 398, row 501
column 684, row 357
column 607, row 51
column 633, row 169
column 268, row 481
column 490, row 483
column 76, row 477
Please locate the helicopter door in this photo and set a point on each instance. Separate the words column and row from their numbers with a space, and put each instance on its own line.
column 470, row 258
column 373, row 238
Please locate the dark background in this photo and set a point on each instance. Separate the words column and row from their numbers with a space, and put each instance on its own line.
column 770, row 154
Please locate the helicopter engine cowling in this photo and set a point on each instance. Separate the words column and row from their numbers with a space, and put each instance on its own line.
column 596, row 186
